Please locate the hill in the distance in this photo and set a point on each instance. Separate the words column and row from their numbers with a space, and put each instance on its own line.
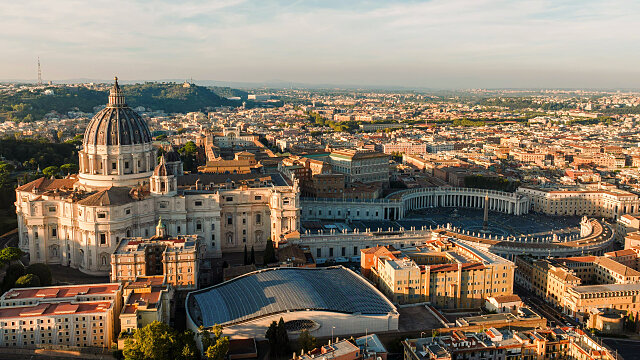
column 170, row 97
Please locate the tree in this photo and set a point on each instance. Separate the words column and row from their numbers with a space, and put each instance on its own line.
column 10, row 254
column 51, row 171
column 271, row 335
column 29, row 280
column 252, row 256
column 219, row 350
column 306, row 341
column 14, row 272
column 158, row 341
column 215, row 347
column 246, row 256
column 282, row 337
column 42, row 271
column 69, row 168
column 269, row 253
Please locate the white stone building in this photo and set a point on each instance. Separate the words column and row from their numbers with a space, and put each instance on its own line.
column 121, row 191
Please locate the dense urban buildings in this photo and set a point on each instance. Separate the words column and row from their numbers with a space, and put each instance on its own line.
column 443, row 203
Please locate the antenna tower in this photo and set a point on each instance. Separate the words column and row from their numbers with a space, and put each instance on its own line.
column 39, row 72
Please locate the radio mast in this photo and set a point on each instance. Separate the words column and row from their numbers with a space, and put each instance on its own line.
column 39, row 72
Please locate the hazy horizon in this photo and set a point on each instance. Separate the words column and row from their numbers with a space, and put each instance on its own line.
column 409, row 44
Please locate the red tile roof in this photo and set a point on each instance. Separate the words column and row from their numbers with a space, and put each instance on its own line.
column 53, row 309
column 44, row 184
column 61, row 291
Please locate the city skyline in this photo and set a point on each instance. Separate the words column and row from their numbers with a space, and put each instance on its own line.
column 432, row 44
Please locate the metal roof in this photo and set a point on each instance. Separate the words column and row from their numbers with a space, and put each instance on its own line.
column 272, row 291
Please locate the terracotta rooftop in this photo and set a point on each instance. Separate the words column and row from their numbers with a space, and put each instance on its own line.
column 44, row 184
column 146, row 281
column 59, row 292
column 507, row 298
column 50, row 309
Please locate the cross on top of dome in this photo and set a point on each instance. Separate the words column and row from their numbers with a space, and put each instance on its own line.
column 116, row 98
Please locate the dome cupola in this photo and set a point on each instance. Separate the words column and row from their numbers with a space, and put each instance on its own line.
column 117, row 147
column 116, row 124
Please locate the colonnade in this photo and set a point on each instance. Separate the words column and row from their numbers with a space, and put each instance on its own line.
column 508, row 203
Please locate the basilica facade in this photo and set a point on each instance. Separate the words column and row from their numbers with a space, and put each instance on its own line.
column 123, row 189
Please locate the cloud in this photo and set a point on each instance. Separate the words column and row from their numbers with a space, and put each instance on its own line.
column 408, row 43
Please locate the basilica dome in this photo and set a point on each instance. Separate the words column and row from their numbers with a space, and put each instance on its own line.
column 117, row 124
column 117, row 148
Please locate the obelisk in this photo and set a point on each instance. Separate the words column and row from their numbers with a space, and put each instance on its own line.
column 485, row 222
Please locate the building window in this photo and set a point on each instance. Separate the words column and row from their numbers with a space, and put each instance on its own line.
column 54, row 232
column 114, row 166
column 258, row 197
column 199, row 225
column 52, row 209
column 229, row 198
column 127, row 211
column 103, row 239
column 198, row 203
column 229, row 219
column 258, row 219
column 102, row 215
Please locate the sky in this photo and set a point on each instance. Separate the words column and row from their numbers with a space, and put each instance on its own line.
column 416, row 44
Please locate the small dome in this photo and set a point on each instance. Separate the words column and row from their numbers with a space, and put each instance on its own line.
column 172, row 156
column 161, row 168
column 117, row 124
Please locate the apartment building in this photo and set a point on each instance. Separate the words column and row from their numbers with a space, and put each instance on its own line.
column 494, row 344
column 74, row 316
column 574, row 283
column 147, row 299
column 445, row 272
column 405, row 148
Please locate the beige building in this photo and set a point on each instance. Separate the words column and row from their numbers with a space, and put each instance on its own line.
column 609, row 203
column 573, row 283
column 147, row 299
column 446, row 272
column 360, row 166
column 178, row 259
column 243, row 163
column 582, row 299
column 74, row 316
